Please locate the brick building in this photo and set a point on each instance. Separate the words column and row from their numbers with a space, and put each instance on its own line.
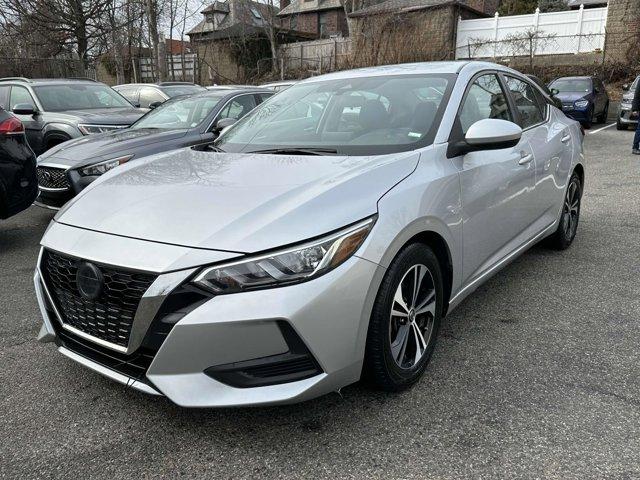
column 623, row 32
column 397, row 31
column 322, row 18
column 232, row 40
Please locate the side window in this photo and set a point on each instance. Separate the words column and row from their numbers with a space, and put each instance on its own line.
column 149, row 95
column 485, row 99
column 4, row 96
column 238, row 107
column 528, row 104
column 261, row 97
column 130, row 93
column 20, row 95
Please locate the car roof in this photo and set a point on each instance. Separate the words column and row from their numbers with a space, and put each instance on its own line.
column 49, row 81
column 447, row 67
column 583, row 77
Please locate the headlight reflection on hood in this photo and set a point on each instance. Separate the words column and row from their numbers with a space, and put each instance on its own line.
column 284, row 267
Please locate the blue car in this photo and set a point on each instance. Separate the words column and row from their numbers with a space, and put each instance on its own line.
column 583, row 98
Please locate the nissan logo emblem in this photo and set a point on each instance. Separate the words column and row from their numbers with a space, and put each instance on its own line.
column 90, row 281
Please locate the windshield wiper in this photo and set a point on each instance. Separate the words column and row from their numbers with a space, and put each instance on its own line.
column 298, row 151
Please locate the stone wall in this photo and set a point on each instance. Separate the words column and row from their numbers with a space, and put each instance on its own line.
column 489, row 7
column 623, row 32
column 416, row 36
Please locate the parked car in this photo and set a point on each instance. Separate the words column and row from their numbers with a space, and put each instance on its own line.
column 18, row 184
column 300, row 252
column 65, row 170
column 626, row 118
column 56, row 110
column 151, row 95
column 279, row 86
column 584, row 99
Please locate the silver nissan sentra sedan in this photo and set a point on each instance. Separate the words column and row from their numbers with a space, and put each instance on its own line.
column 321, row 240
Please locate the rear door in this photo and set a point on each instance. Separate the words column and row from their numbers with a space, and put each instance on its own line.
column 496, row 186
column 550, row 141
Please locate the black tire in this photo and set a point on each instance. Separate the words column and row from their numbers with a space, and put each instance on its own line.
column 602, row 118
column 620, row 125
column 381, row 369
column 588, row 123
column 568, row 227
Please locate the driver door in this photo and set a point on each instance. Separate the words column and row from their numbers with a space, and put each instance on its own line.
column 33, row 124
column 496, row 186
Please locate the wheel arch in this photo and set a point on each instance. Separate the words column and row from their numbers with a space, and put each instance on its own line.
column 579, row 169
column 440, row 247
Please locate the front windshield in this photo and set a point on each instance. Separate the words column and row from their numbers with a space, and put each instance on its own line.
column 354, row 116
column 572, row 85
column 78, row 96
column 180, row 113
column 177, row 90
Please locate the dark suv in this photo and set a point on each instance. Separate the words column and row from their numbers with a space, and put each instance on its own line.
column 584, row 99
column 56, row 110
column 150, row 95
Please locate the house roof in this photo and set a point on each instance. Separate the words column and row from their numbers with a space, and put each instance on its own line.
column 586, row 3
column 242, row 13
column 304, row 6
column 400, row 6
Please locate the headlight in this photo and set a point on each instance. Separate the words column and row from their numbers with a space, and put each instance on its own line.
column 91, row 129
column 284, row 267
column 581, row 103
column 103, row 167
column 625, row 106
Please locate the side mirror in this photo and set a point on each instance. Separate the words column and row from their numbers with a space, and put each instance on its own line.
column 626, row 87
column 488, row 134
column 24, row 109
column 555, row 91
column 154, row 105
column 223, row 123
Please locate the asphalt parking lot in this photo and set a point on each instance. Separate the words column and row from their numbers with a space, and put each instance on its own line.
column 536, row 375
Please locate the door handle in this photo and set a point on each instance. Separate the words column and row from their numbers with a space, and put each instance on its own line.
column 566, row 138
column 525, row 158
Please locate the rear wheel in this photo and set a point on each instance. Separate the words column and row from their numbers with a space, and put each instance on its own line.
column 405, row 320
column 602, row 118
column 568, row 226
column 587, row 123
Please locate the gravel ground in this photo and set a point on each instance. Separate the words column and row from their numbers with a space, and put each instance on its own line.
column 536, row 375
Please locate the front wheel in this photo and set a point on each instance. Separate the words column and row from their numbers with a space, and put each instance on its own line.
column 568, row 226
column 620, row 125
column 405, row 320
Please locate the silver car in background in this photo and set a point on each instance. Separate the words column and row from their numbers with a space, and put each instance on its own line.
column 321, row 240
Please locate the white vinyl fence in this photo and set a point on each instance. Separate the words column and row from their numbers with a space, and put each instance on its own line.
column 573, row 31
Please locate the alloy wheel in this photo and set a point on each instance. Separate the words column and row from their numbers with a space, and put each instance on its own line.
column 412, row 316
column 571, row 210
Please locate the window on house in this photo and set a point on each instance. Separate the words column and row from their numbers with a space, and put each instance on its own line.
column 293, row 24
column 256, row 13
column 323, row 21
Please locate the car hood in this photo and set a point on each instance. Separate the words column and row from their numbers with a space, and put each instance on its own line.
column 235, row 202
column 103, row 146
column 567, row 97
column 106, row 116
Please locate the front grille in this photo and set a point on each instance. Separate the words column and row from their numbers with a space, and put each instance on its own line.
column 110, row 316
column 51, row 177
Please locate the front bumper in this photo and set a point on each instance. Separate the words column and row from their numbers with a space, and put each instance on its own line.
column 329, row 317
column 577, row 115
column 626, row 117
